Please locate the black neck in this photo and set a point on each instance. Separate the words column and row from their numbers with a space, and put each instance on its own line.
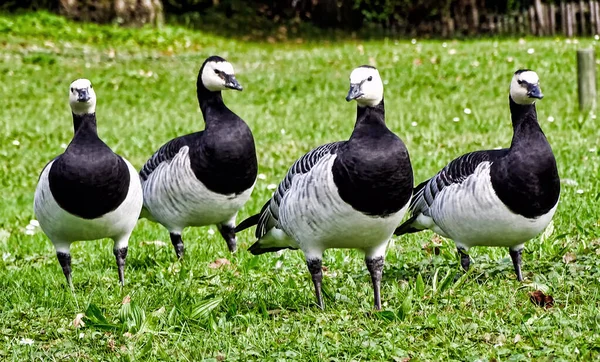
column 370, row 115
column 85, row 123
column 524, row 120
column 211, row 103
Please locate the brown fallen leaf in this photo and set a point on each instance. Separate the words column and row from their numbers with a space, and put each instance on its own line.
column 78, row 321
column 219, row 263
column 126, row 300
column 220, row 357
column 569, row 258
column 541, row 300
column 324, row 268
column 111, row 345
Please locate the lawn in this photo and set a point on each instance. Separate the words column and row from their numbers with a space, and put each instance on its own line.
column 442, row 98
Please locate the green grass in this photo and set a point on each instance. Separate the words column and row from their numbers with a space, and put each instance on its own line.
column 262, row 308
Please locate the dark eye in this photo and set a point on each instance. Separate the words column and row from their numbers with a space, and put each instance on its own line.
column 217, row 71
column 91, row 86
column 520, row 81
column 370, row 79
column 71, row 89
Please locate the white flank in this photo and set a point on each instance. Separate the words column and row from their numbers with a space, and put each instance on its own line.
column 177, row 199
column 471, row 214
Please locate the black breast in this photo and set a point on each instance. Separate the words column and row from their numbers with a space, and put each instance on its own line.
column 89, row 180
column 223, row 158
column 527, row 180
column 373, row 173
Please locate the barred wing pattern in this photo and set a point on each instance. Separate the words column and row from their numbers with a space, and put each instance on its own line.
column 455, row 172
column 167, row 152
column 269, row 214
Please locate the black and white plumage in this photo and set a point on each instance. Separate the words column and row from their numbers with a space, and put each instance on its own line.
column 349, row 194
column 494, row 197
column 88, row 192
column 203, row 178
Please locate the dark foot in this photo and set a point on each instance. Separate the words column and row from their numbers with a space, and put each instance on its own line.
column 228, row 233
column 316, row 271
column 178, row 245
column 375, row 266
column 515, row 255
column 121, row 255
column 465, row 261
column 65, row 262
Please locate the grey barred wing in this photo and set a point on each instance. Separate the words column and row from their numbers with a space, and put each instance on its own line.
column 454, row 173
column 165, row 153
column 269, row 214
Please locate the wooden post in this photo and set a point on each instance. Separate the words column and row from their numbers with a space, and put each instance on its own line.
column 592, row 17
column 597, row 6
column 586, row 78
column 532, row 24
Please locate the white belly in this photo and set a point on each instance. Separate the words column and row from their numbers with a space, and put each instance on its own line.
column 471, row 214
column 64, row 228
column 314, row 215
column 177, row 199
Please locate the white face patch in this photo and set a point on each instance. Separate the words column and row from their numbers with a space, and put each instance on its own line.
column 371, row 86
column 518, row 87
column 82, row 97
column 211, row 78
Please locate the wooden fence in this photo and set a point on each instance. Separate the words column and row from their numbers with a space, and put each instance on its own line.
column 572, row 18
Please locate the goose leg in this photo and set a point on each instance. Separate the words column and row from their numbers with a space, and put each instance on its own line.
column 375, row 266
column 515, row 255
column 228, row 233
column 315, row 267
column 64, row 258
column 177, row 244
column 121, row 255
column 465, row 261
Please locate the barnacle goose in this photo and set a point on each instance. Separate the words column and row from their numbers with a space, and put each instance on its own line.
column 348, row 194
column 203, row 178
column 494, row 197
column 88, row 192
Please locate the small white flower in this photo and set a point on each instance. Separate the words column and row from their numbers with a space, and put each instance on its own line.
column 211, row 232
column 530, row 51
column 593, row 149
column 16, row 142
column 385, row 82
column 29, row 232
column 282, row 131
column 521, row 41
column 455, row 119
column 568, row 41
column 29, row 227
column 5, row 256
column 81, row 335
column 575, row 41
column 579, row 191
column 445, row 45
column 467, row 111
column 550, row 119
column 452, row 51
column 34, row 223
column 597, row 37
column 262, row 176
column 414, row 41
column 278, row 264
column 510, row 59
column 271, row 187
column 26, row 341
column 569, row 182
column 414, row 124
column 593, row 115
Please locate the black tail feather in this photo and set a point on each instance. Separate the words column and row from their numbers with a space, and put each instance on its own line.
column 249, row 222
column 406, row 227
column 256, row 249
